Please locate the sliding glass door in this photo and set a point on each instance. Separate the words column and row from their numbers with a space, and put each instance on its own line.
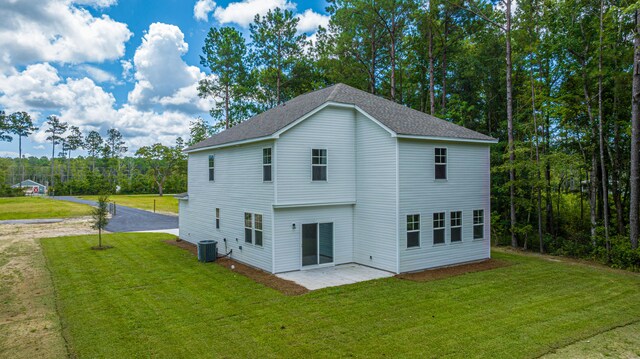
column 317, row 243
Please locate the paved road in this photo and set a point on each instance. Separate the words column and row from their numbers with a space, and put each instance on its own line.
column 129, row 219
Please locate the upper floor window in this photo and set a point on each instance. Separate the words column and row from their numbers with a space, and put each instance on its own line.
column 319, row 164
column 441, row 163
column 478, row 223
column 266, row 164
column 456, row 226
column 212, row 165
column 413, row 230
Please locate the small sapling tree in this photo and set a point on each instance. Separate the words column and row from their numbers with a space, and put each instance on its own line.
column 100, row 216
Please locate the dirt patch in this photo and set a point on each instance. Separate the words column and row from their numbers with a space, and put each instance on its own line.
column 29, row 323
column 284, row 286
column 446, row 272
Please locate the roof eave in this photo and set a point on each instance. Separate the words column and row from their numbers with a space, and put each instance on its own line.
column 449, row 139
column 234, row 143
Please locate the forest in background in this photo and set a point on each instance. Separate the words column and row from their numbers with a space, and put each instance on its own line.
column 556, row 81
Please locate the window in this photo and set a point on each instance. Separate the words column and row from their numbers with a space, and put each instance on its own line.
column 248, row 227
column 438, row 228
column 217, row 218
column 266, row 164
column 212, row 163
column 478, row 224
column 257, row 222
column 441, row 163
column 456, row 226
column 319, row 165
column 413, row 230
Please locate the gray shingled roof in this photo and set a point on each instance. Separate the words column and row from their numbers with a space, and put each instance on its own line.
column 400, row 119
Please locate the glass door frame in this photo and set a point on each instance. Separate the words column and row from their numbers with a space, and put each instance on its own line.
column 333, row 245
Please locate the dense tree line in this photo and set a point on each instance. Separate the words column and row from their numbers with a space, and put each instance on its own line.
column 556, row 81
column 106, row 169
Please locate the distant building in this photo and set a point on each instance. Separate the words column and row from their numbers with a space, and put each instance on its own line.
column 31, row 187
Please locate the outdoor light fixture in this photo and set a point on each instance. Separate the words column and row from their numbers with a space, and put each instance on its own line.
column 293, row 226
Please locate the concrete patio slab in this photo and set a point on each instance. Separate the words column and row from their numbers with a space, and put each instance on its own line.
column 173, row 231
column 324, row 277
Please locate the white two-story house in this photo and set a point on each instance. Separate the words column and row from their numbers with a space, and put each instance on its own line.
column 339, row 176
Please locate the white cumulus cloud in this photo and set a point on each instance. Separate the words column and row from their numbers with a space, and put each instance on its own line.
column 97, row 74
column 310, row 20
column 57, row 31
column 243, row 12
column 160, row 106
column 202, row 8
column 162, row 77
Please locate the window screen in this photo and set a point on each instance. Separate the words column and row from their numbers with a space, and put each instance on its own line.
column 456, row 226
column 413, row 230
column 441, row 163
column 319, row 164
column 438, row 228
column 478, row 224
column 266, row 164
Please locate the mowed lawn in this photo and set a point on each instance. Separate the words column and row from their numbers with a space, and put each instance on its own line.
column 40, row 207
column 166, row 203
column 144, row 298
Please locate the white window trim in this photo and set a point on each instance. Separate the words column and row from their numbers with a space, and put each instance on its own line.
column 318, row 222
column 244, row 226
column 473, row 218
column 419, row 230
column 444, row 229
column 451, row 226
column 325, row 165
column 218, row 218
column 253, row 222
column 270, row 164
column 210, row 168
column 446, row 165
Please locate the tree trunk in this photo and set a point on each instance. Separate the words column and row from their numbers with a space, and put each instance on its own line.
column 432, row 95
column 635, row 139
column 593, row 189
column 512, row 174
column 603, row 163
column 226, row 105
column 537, row 144
column 372, row 72
column 20, row 163
column 53, row 157
column 443, row 104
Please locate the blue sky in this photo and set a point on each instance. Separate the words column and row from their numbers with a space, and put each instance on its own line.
column 128, row 64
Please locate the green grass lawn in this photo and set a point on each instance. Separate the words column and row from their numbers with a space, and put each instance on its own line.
column 144, row 298
column 40, row 207
column 166, row 203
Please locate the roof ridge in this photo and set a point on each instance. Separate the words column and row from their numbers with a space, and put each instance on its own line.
column 335, row 88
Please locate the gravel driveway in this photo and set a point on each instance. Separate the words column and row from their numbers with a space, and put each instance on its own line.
column 129, row 219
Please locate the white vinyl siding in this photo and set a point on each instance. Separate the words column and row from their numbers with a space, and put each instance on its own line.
column 375, row 232
column 466, row 190
column 332, row 129
column 236, row 190
column 288, row 251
